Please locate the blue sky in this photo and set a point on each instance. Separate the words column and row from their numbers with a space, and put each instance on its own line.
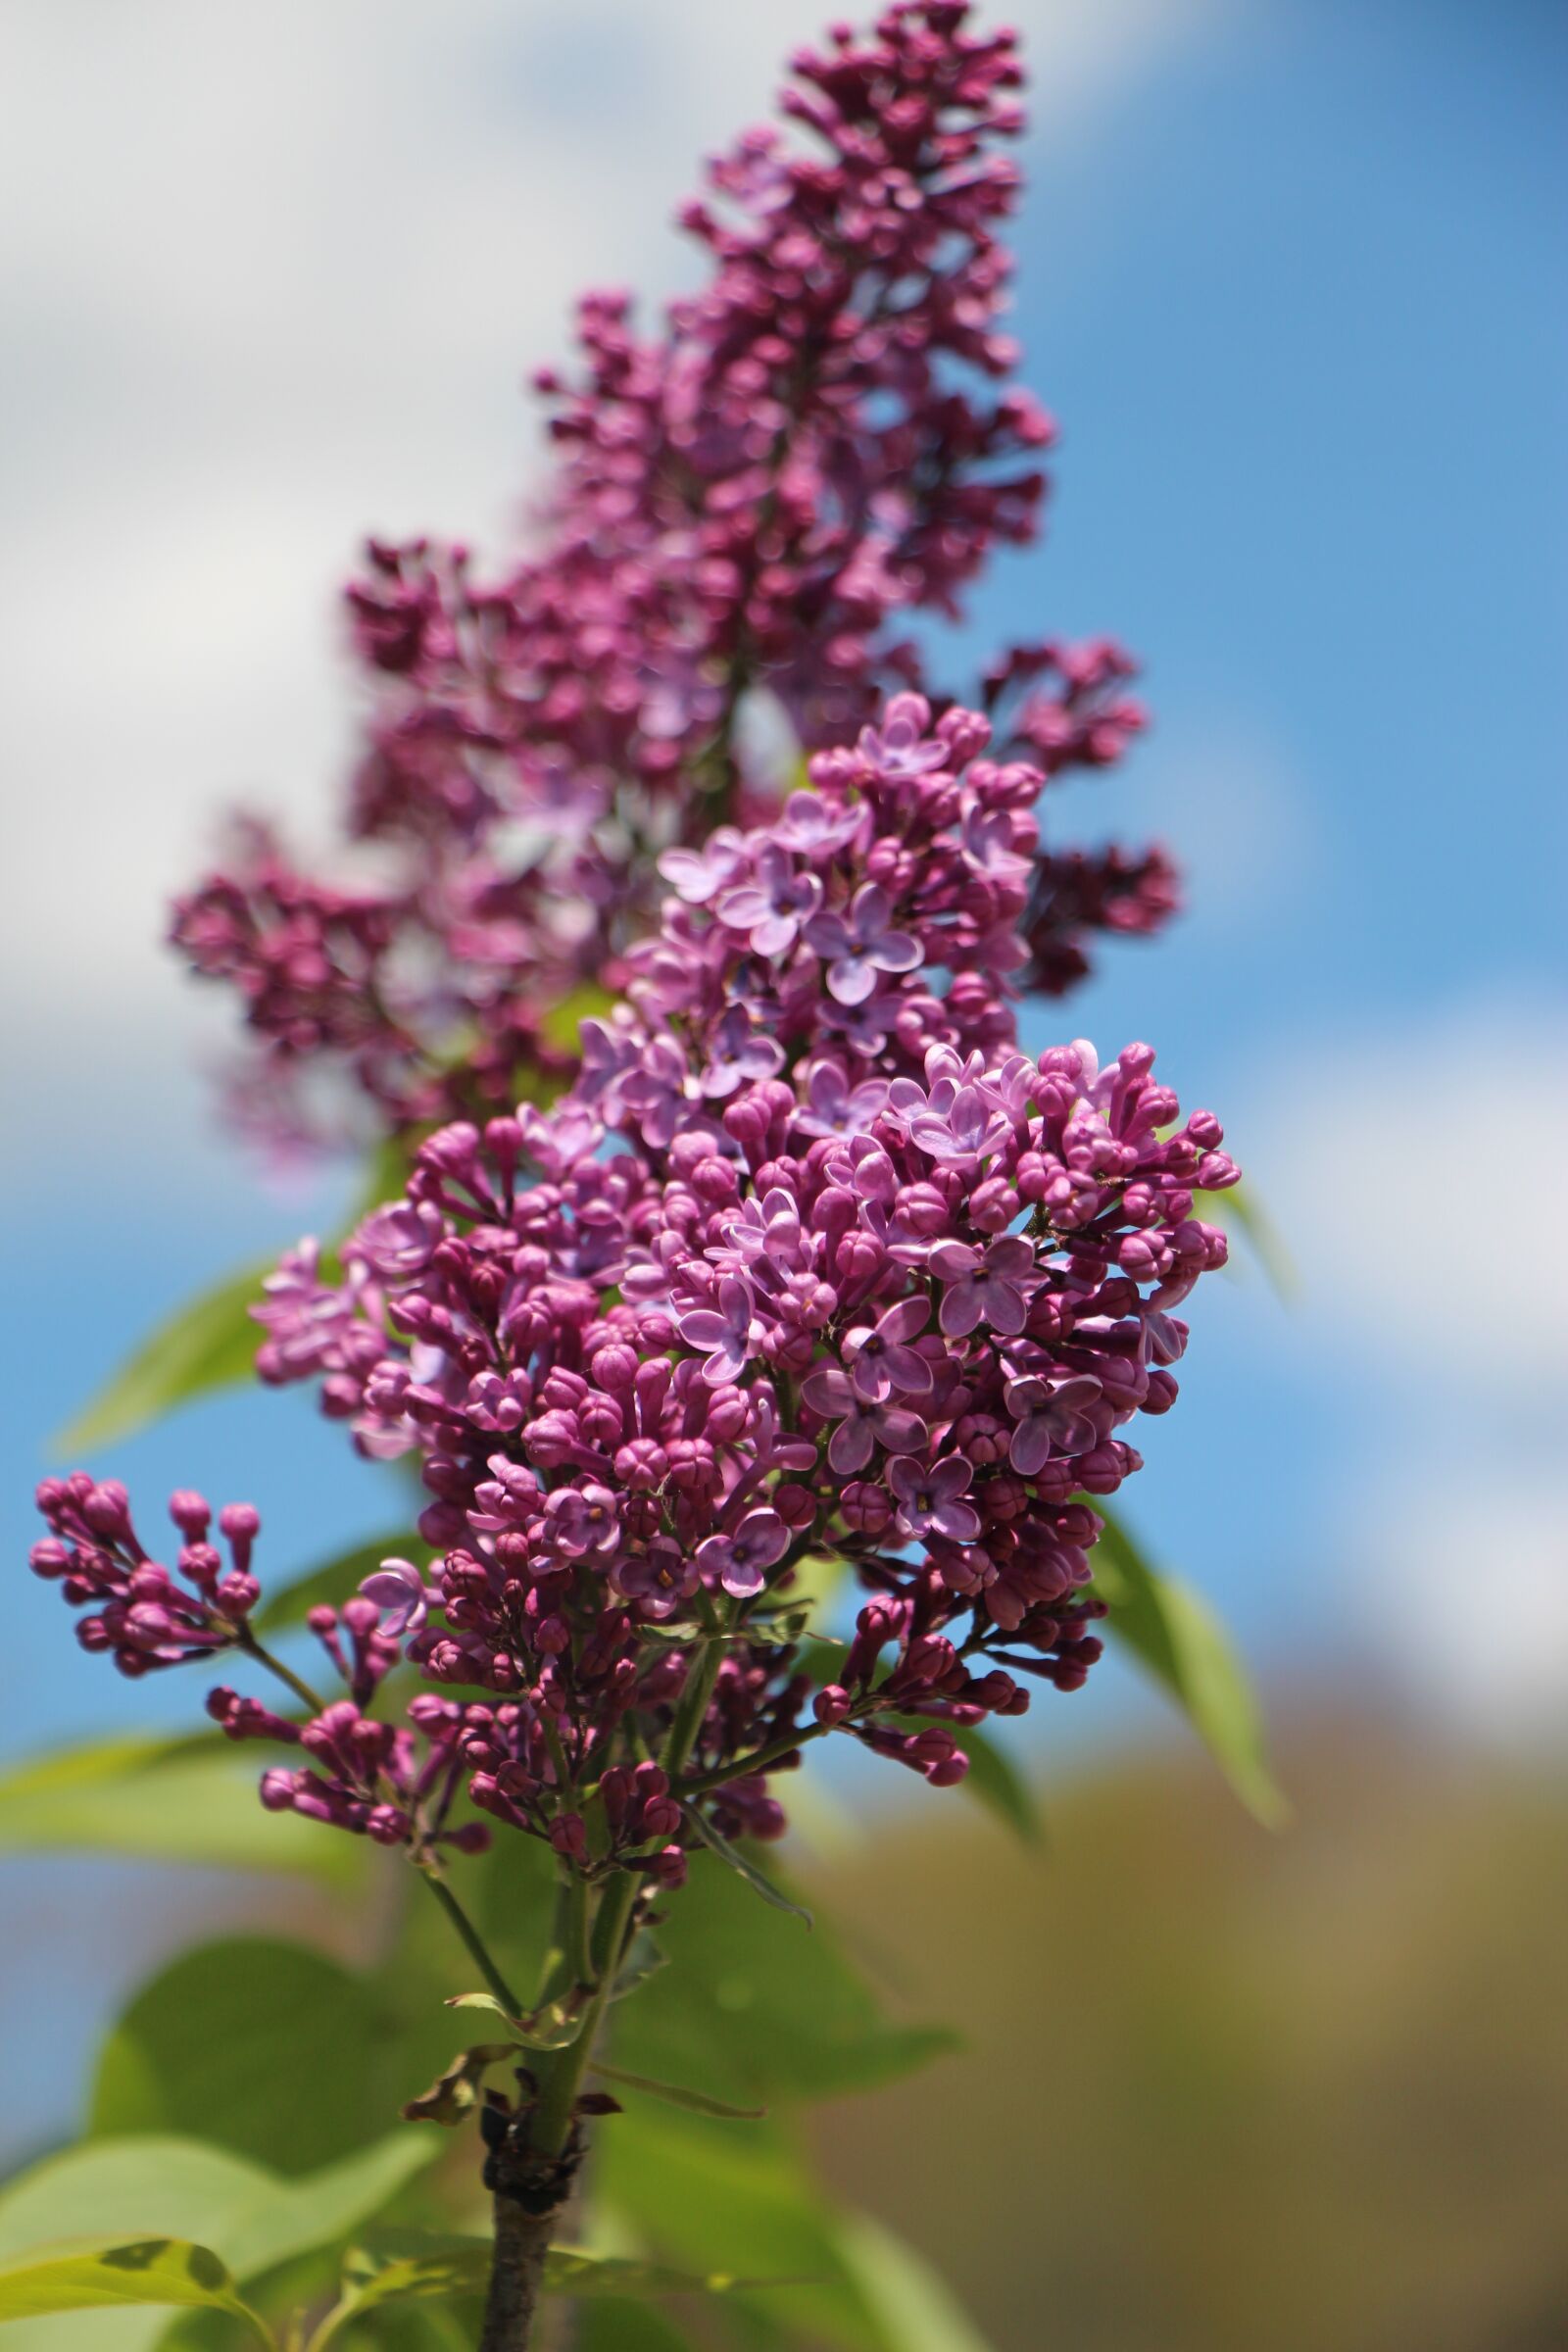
column 1290, row 277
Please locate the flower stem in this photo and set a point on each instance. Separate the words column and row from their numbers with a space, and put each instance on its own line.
column 245, row 1640
column 495, row 1982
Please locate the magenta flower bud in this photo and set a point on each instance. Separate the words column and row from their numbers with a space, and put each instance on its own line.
column 191, row 1514
column 831, row 1705
column 568, row 1837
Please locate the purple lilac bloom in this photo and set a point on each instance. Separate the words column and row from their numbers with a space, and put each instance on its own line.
column 929, row 1501
column 739, row 1560
column 722, row 1333
column 862, row 943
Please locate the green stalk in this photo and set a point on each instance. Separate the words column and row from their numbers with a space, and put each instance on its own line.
column 495, row 1982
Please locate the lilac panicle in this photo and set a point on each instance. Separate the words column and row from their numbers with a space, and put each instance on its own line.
column 746, row 501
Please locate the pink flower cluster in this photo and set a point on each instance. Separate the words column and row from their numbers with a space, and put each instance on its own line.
column 142, row 1613
column 813, row 1265
column 744, row 505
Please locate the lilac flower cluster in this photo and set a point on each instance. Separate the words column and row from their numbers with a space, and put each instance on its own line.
column 812, row 1266
column 743, row 506
column 143, row 1614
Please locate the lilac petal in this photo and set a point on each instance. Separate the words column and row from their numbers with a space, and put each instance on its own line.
column 898, row 951
column 703, row 1327
column 909, row 1373
column 1006, row 1309
column 1030, row 1449
column 962, row 1310
column 828, row 1390
column 956, row 1521
column 905, row 1319
column 898, row 1431
column 850, row 1447
column 953, row 1261
column 852, row 979
column 742, row 1579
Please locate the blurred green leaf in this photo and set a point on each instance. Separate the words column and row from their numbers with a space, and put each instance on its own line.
column 700, row 2195
column 210, row 1342
column 915, row 2310
column 199, row 2050
column 333, row 1581
column 461, row 2266
column 101, row 2273
column 146, row 2186
column 561, row 1024
column 1176, row 1636
column 1238, row 1208
column 170, row 1800
column 607, row 2324
column 696, row 2103
column 753, row 2011
column 757, row 1880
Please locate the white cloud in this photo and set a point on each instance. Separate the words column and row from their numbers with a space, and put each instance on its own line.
column 272, row 276
column 1418, row 1173
column 1469, row 1602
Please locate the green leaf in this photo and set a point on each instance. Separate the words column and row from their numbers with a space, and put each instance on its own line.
column 198, row 2051
column 553, row 2027
column 449, row 2269
column 570, row 2272
column 1237, row 1207
column 207, row 1343
column 171, row 1800
column 756, row 2012
column 561, row 1025
column 150, row 2186
column 461, row 2266
column 915, row 2308
column 1172, row 1631
column 696, row 2103
column 333, row 1581
column 700, row 2194
column 758, row 1880
column 100, row 2273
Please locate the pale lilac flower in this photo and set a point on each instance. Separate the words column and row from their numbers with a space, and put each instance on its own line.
column 902, row 746
column 878, row 1355
column 397, row 1588
column 989, row 1285
column 928, row 1497
column 741, row 1053
column 582, row 1519
column 723, row 1334
column 857, row 946
column 394, row 1242
column 833, row 1106
column 773, row 908
column 698, row 875
column 739, row 1560
column 829, row 1391
column 1053, row 1417
column 808, row 824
